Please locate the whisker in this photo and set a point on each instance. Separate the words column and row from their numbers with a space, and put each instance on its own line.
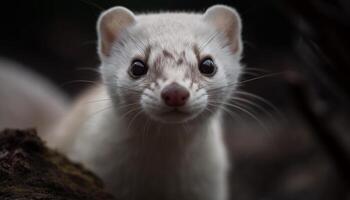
column 212, row 112
column 249, row 114
column 97, row 100
column 257, row 106
column 78, row 81
column 261, row 99
column 152, row 105
column 249, row 73
column 245, row 81
column 128, row 89
column 137, row 41
column 262, row 110
column 260, row 77
column 129, row 111
column 220, row 106
column 96, row 113
column 256, row 70
column 88, row 69
column 132, row 119
column 151, row 97
column 198, row 99
column 123, row 106
column 210, row 39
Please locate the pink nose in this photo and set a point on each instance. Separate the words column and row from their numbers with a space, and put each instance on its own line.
column 175, row 95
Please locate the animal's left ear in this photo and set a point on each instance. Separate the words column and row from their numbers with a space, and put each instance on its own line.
column 227, row 21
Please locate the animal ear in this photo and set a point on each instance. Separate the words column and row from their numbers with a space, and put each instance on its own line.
column 227, row 21
column 110, row 25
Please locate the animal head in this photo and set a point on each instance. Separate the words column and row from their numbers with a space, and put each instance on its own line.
column 171, row 66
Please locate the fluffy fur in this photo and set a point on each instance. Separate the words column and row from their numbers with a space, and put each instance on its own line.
column 27, row 100
column 122, row 129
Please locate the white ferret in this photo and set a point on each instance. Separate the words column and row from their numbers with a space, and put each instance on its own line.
column 152, row 129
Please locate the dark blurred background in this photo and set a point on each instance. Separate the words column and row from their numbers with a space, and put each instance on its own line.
column 298, row 50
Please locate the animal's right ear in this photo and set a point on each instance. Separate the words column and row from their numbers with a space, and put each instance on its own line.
column 110, row 25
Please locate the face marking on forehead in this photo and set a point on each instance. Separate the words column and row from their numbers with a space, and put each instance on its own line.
column 186, row 58
column 147, row 53
column 193, row 74
column 158, row 61
column 167, row 63
column 161, row 59
column 157, row 68
column 197, row 52
column 180, row 61
column 167, row 54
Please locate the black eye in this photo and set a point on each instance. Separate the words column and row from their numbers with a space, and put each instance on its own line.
column 207, row 67
column 137, row 69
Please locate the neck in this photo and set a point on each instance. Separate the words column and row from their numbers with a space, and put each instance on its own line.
column 162, row 145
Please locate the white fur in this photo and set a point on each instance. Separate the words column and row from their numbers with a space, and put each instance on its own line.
column 139, row 150
column 28, row 100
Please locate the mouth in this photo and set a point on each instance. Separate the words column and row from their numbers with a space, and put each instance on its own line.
column 175, row 116
column 176, row 112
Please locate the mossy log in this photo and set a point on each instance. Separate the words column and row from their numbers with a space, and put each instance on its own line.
column 31, row 171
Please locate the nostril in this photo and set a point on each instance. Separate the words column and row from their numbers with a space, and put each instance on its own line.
column 166, row 97
column 175, row 95
column 184, row 96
